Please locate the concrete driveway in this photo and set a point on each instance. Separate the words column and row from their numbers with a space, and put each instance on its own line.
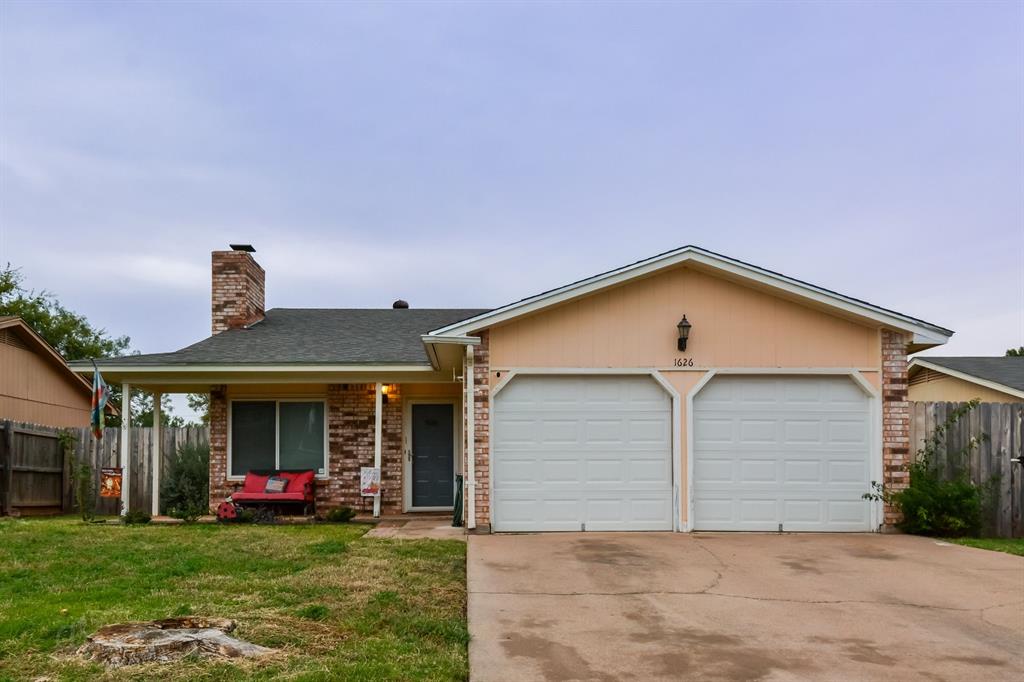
column 611, row 606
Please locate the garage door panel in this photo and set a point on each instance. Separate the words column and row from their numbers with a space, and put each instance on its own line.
column 598, row 447
column 790, row 450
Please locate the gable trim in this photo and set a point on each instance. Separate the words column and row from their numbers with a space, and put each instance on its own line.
column 924, row 332
column 987, row 383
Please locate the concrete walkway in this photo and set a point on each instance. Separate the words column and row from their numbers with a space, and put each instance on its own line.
column 417, row 527
column 604, row 606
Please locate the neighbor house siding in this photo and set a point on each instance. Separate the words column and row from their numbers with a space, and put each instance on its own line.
column 33, row 390
column 927, row 385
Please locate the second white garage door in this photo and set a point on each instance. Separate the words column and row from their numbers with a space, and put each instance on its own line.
column 576, row 453
column 781, row 451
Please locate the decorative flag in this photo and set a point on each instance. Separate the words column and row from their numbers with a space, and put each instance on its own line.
column 100, row 393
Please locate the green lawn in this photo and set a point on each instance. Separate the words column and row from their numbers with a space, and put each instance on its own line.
column 337, row 605
column 1014, row 546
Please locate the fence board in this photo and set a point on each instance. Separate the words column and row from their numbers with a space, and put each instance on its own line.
column 995, row 460
column 34, row 474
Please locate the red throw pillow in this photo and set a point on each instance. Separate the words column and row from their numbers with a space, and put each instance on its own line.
column 297, row 482
column 254, row 483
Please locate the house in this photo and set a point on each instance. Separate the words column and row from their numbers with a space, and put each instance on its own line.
column 685, row 391
column 957, row 380
column 36, row 384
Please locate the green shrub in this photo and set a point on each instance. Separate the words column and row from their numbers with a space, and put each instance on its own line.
column 185, row 489
column 340, row 515
column 136, row 517
column 932, row 504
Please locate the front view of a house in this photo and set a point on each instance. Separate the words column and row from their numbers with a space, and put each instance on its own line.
column 687, row 391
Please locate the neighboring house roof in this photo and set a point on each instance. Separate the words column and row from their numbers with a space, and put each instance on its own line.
column 925, row 334
column 999, row 373
column 313, row 336
column 36, row 343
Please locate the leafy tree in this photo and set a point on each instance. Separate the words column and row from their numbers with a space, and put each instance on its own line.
column 1015, row 352
column 75, row 338
column 68, row 332
column 200, row 404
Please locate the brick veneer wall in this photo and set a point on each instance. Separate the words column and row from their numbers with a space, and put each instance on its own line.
column 219, row 488
column 350, row 432
column 350, row 429
column 895, row 418
column 237, row 296
column 482, row 440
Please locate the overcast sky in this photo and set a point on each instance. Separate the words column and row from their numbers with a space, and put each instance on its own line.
column 470, row 154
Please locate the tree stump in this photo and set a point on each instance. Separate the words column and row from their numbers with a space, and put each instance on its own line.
column 163, row 641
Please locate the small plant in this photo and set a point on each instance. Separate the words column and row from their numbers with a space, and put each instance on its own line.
column 340, row 515
column 186, row 514
column 932, row 504
column 185, row 490
column 136, row 518
column 83, row 477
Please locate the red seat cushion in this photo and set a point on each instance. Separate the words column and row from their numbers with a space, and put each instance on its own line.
column 268, row 497
column 254, row 483
column 297, row 481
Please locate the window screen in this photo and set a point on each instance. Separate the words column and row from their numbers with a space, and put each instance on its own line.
column 252, row 436
column 302, row 436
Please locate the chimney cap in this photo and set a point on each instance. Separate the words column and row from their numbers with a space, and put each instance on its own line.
column 242, row 247
column 400, row 304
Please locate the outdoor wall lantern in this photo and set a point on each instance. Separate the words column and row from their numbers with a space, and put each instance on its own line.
column 684, row 332
column 386, row 390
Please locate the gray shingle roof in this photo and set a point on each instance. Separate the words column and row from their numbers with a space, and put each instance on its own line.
column 316, row 336
column 1008, row 371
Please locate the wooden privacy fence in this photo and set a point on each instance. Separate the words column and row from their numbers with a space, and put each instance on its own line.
column 35, row 477
column 996, row 459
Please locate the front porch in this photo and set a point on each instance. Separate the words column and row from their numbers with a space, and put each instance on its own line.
column 413, row 431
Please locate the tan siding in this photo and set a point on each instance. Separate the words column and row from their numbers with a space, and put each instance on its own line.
column 937, row 387
column 33, row 390
column 634, row 325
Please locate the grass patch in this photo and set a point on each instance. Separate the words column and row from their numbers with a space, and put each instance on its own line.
column 1010, row 546
column 337, row 605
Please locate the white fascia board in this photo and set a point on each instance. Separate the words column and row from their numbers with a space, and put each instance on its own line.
column 252, row 369
column 994, row 385
column 923, row 333
column 451, row 338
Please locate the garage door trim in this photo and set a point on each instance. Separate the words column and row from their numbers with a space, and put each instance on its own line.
column 874, row 407
column 505, row 376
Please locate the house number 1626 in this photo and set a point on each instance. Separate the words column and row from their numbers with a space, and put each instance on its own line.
column 684, row 362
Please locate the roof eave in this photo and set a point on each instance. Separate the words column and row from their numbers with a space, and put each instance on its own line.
column 987, row 383
column 926, row 335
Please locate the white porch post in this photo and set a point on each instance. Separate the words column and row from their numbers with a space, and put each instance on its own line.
column 378, row 432
column 126, row 430
column 467, row 373
column 156, row 453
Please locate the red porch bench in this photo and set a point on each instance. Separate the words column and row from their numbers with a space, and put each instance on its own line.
column 300, row 491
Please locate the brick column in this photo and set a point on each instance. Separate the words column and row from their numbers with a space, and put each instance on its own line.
column 219, row 488
column 895, row 418
column 350, row 428
column 482, row 441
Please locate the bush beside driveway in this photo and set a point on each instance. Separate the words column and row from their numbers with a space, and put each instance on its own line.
column 742, row 606
column 337, row 605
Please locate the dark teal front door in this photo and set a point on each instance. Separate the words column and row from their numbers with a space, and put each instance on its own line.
column 433, row 455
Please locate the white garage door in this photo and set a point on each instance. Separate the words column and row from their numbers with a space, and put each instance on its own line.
column 581, row 453
column 771, row 450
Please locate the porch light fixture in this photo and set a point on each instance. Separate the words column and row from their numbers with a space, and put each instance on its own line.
column 684, row 332
column 386, row 390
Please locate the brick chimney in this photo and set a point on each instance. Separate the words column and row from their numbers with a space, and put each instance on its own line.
column 237, row 298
